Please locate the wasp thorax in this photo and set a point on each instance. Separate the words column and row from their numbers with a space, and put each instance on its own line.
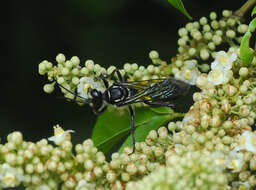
column 115, row 94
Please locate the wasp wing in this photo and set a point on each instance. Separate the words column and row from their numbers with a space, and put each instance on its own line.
column 139, row 85
column 154, row 91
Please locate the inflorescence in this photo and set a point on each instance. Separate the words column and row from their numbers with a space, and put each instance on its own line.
column 213, row 147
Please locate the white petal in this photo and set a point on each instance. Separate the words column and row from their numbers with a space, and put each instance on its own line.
column 70, row 131
column 215, row 65
column 233, row 57
column 52, row 138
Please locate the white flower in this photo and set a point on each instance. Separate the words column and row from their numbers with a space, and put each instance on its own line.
column 87, row 83
column 221, row 68
column 218, row 76
column 9, row 176
column 247, row 141
column 83, row 185
column 220, row 159
column 188, row 73
column 235, row 161
column 223, row 61
column 60, row 135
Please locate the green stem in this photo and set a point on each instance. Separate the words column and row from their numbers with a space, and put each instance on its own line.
column 235, row 112
column 177, row 115
column 240, row 12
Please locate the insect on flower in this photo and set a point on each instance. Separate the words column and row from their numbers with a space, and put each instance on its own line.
column 154, row 92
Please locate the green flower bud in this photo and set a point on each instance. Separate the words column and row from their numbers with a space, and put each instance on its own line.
column 75, row 80
column 60, row 58
column 203, row 20
column 231, row 22
column 211, row 46
column 153, row 54
column 75, row 61
column 215, row 24
column 182, row 32
column 243, row 72
column 65, row 71
column 68, row 64
column 89, row 65
column 192, row 51
column 226, row 13
column 231, row 33
column 213, row 15
column 242, row 28
column 189, row 26
column 222, row 23
column 216, row 39
column 84, row 71
column 49, row 88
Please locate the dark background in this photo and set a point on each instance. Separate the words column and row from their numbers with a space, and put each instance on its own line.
column 110, row 32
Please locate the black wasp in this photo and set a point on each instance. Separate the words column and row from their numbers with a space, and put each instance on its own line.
column 154, row 92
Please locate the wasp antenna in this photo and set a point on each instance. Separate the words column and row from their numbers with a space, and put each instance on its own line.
column 72, row 100
column 76, row 95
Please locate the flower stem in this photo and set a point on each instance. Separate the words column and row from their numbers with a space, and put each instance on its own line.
column 177, row 115
column 240, row 12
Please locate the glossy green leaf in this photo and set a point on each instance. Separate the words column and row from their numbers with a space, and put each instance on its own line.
column 179, row 5
column 252, row 25
column 246, row 53
column 110, row 128
column 142, row 131
column 161, row 117
column 253, row 11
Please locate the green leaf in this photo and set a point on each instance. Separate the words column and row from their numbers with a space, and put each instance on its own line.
column 253, row 11
column 252, row 25
column 179, row 5
column 246, row 53
column 110, row 128
column 142, row 131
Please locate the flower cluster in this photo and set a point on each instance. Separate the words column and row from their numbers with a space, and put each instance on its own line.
column 197, row 44
column 200, row 39
column 221, row 68
column 193, row 170
column 212, row 147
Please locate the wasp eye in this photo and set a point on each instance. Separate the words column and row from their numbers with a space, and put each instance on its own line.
column 96, row 93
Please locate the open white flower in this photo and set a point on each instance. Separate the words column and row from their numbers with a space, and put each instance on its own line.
column 188, row 73
column 235, row 161
column 9, row 176
column 87, row 83
column 60, row 135
column 247, row 141
column 223, row 60
column 218, row 76
column 220, row 160
column 84, row 185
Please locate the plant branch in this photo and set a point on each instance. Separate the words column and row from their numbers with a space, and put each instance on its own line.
column 240, row 12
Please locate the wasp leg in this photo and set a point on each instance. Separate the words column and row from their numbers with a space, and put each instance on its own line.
column 132, row 128
column 99, row 112
column 118, row 75
column 105, row 81
column 160, row 104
